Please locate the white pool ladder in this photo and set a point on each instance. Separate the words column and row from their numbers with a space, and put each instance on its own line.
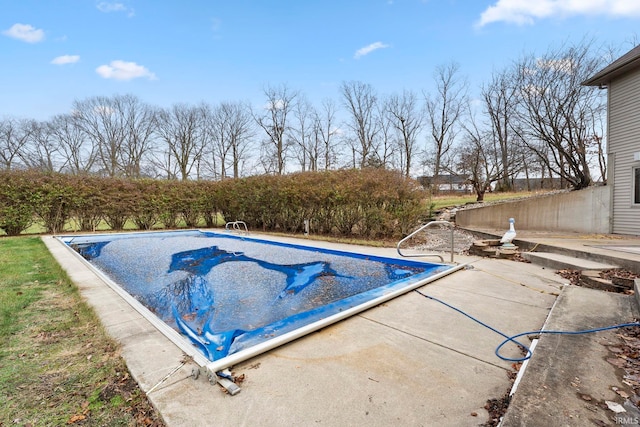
column 239, row 226
column 427, row 225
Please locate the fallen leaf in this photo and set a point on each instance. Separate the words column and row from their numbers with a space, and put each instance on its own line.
column 76, row 418
column 623, row 393
column 617, row 362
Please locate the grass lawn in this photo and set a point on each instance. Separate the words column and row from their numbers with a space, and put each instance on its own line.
column 57, row 365
column 448, row 200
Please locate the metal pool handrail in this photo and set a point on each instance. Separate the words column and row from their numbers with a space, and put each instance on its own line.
column 427, row 225
column 236, row 226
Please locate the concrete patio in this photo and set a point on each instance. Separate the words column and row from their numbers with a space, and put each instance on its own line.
column 411, row 361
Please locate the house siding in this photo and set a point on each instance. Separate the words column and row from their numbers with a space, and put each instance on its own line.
column 624, row 141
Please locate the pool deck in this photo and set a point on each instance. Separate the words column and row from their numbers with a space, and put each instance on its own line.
column 410, row 361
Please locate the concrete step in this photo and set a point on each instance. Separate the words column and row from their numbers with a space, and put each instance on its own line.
column 565, row 262
column 592, row 279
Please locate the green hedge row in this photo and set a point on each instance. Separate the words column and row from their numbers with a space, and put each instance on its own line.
column 367, row 203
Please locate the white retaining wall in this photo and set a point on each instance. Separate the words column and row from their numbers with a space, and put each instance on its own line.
column 583, row 211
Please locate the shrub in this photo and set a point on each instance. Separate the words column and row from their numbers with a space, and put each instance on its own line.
column 369, row 203
column 147, row 203
column 89, row 202
column 55, row 199
column 16, row 202
column 119, row 201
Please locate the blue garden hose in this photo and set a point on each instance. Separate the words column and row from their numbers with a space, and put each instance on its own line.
column 512, row 338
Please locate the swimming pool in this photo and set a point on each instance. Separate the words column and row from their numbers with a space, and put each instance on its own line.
column 232, row 297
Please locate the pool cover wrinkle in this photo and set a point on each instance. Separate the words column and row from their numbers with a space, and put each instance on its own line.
column 201, row 261
column 191, row 298
column 89, row 251
column 237, row 293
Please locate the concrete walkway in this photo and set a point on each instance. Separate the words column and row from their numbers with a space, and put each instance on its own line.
column 411, row 361
column 568, row 380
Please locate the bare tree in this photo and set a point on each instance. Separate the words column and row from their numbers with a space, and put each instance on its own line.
column 140, row 124
column 121, row 128
column 558, row 111
column 78, row 151
column 181, row 128
column 407, row 120
column 479, row 156
column 500, row 100
column 43, row 150
column 444, row 112
column 99, row 118
column 360, row 101
column 325, row 131
column 14, row 136
column 533, row 163
column 301, row 133
column 231, row 129
column 387, row 146
column 274, row 121
column 163, row 162
column 240, row 135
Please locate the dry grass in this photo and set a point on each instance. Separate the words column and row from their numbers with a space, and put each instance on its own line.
column 450, row 200
column 57, row 365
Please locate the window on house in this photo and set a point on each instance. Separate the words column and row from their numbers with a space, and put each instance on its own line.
column 636, row 186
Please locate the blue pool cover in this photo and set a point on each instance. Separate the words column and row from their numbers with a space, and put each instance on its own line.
column 227, row 292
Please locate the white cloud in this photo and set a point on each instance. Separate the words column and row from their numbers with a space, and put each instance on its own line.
column 107, row 7
column 563, row 65
column 522, row 12
column 122, row 70
column 277, row 104
column 368, row 49
column 65, row 59
column 25, row 32
column 103, row 110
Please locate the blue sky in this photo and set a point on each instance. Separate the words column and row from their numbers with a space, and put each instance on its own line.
column 168, row 52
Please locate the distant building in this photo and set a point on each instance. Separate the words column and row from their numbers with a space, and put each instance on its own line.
column 622, row 79
column 536, row 183
column 447, row 183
